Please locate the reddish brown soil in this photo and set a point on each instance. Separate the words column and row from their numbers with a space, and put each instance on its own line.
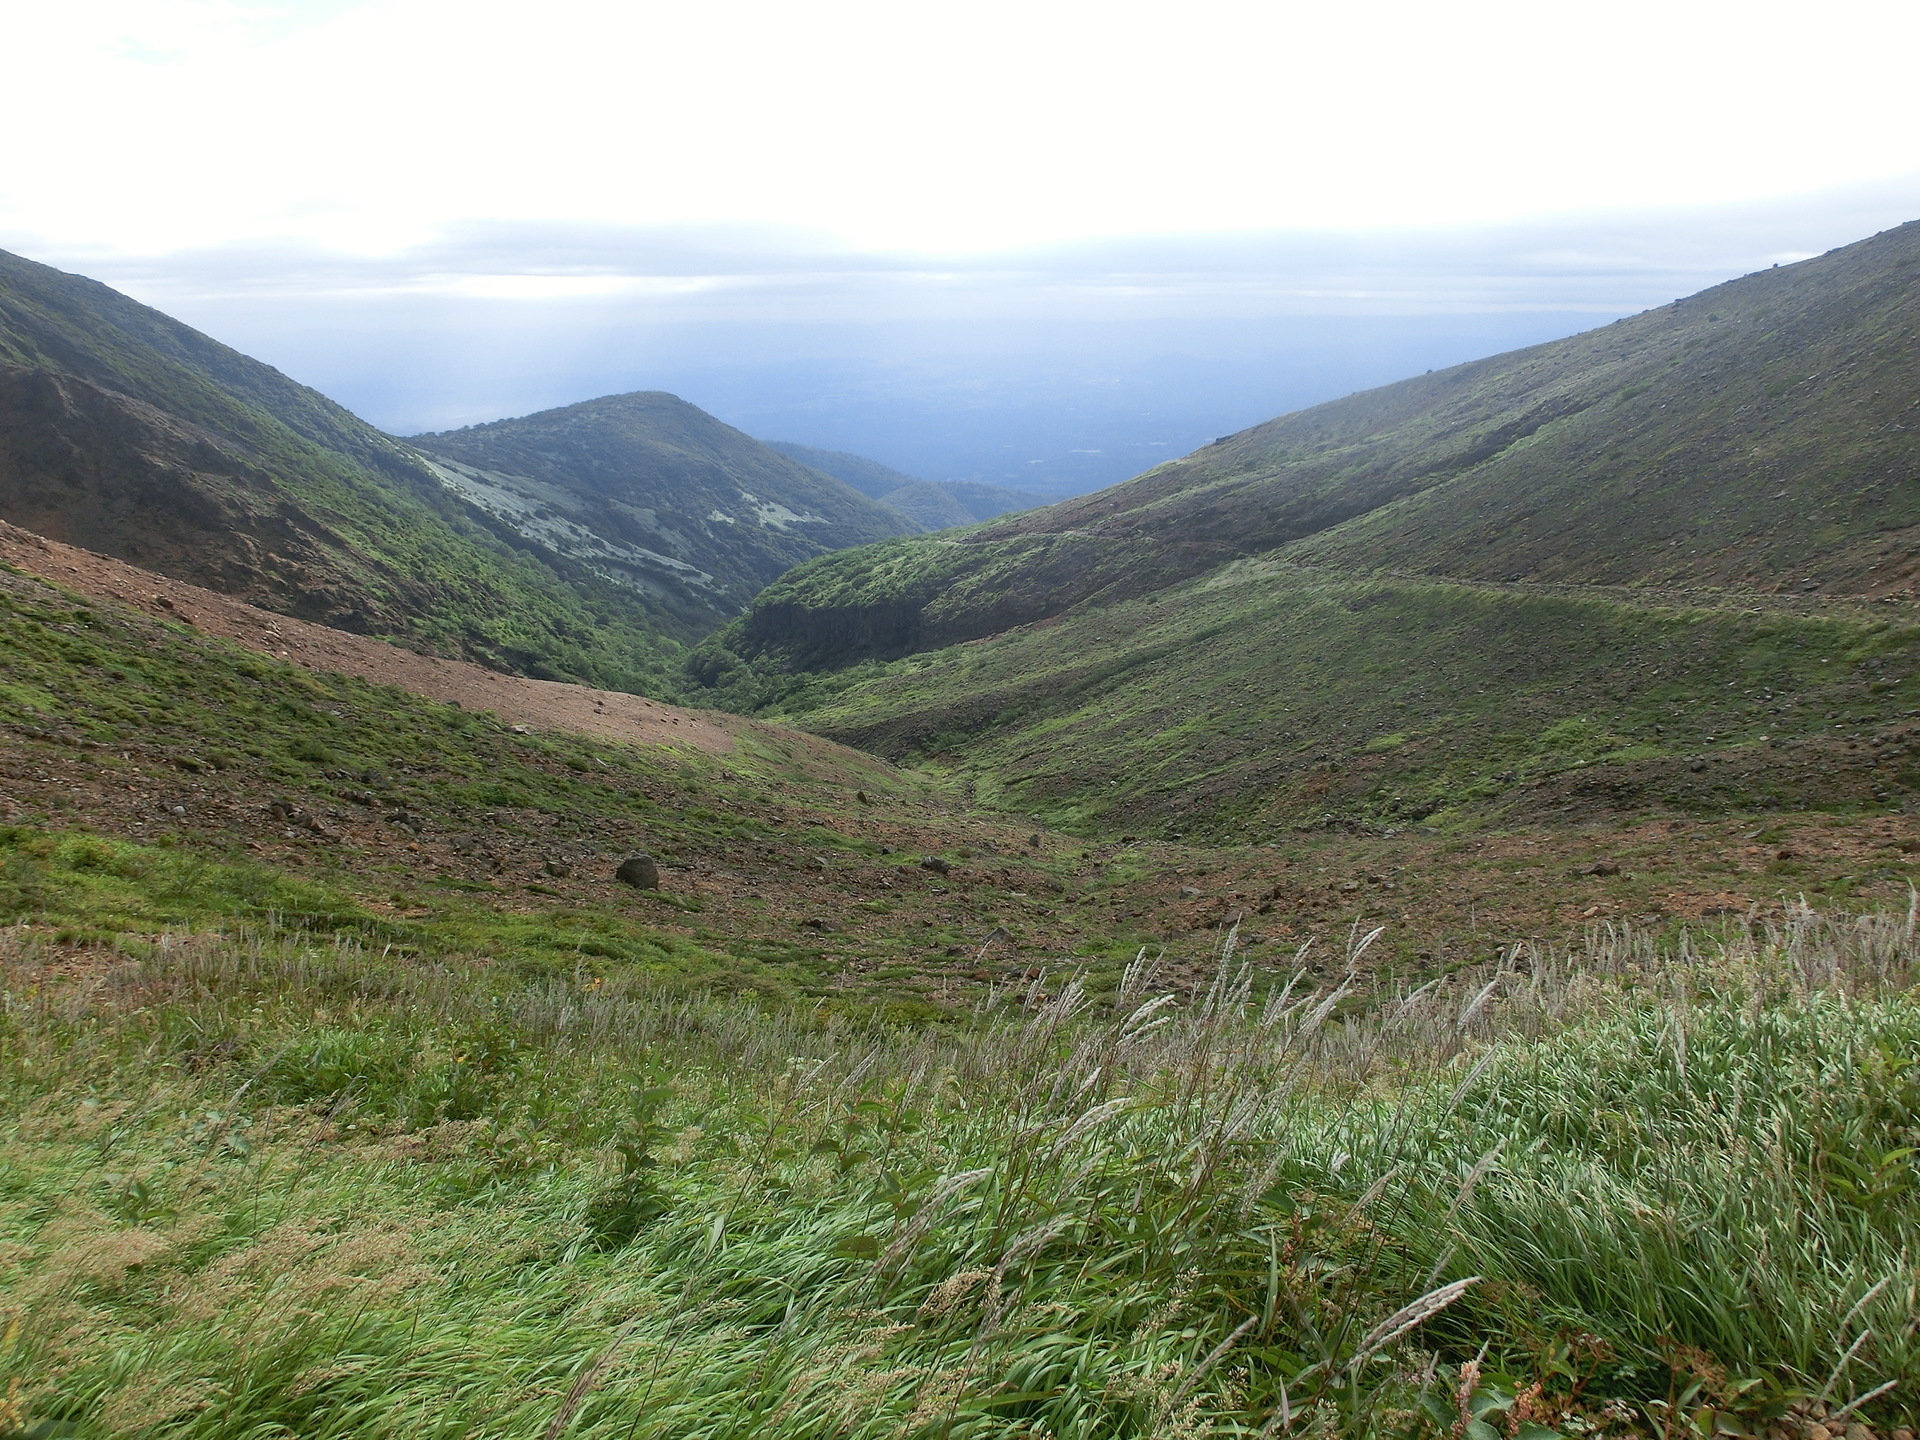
column 878, row 923
column 606, row 714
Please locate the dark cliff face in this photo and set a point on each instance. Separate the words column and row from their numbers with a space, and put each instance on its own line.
column 825, row 616
column 821, row 638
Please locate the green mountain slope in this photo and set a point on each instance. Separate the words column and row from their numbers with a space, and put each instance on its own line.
column 406, row 1098
column 935, row 504
column 1269, row 696
column 984, row 502
column 126, row 432
column 1473, row 589
column 1761, row 435
column 928, row 505
column 869, row 477
column 655, row 494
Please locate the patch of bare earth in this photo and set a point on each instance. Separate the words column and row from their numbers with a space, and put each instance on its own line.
column 1006, row 909
column 604, row 714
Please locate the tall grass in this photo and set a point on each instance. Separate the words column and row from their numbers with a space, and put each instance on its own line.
column 269, row 1187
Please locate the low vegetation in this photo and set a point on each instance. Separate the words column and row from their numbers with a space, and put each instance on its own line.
column 134, row 435
column 345, row 1091
column 259, row 1185
column 1270, row 696
column 1751, row 438
column 1425, row 600
column 657, row 491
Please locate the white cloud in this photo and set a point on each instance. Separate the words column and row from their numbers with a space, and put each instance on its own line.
column 373, row 127
column 596, row 275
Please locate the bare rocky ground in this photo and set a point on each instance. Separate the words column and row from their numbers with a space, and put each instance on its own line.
column 1014, row 902
column 604, row 714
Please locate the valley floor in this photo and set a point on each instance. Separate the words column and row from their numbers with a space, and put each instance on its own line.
column 344, row 1092
column 801, row 860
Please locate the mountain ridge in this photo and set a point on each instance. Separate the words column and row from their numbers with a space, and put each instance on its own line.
column 1574, row 424
column 127, row 432
column 1226, row 644
column 935, row 504
column 657, row 495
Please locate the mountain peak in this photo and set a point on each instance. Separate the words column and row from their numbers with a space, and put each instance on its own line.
column 656, row 494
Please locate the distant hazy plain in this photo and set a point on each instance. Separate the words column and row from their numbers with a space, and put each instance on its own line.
column 1058, row 409
column 1057, row 369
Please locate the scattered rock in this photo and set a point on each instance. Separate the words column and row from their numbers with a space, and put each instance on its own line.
column 1602, row 867
column 639, row 871
column 1347, row 887
column 935, row 864
column 557, row 869
column 999, row 936
column 1697, row 766
column 1189, row 892
column 288, row 813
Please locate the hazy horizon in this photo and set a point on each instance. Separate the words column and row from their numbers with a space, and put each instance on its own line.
column 1038, row 243
column 1057, row 369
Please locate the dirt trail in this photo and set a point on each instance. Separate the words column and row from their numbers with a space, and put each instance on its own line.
column 606, row 714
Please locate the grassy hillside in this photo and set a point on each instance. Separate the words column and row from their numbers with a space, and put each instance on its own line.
column 984, row 502
column 929, row 505
column 276, row 1186
column 221, row 783
column 1469, row 586
column 1270, row 696
column 1757, row 436
column 128, row 433
column 344, row 1092
column 224, row 782
column 935, row 504
column 869, row 477
column 657, row 495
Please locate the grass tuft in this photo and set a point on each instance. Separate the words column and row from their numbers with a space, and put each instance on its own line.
column 256, row 1183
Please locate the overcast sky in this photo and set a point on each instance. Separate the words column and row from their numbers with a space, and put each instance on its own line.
column 443, row 210
column 377, row 125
